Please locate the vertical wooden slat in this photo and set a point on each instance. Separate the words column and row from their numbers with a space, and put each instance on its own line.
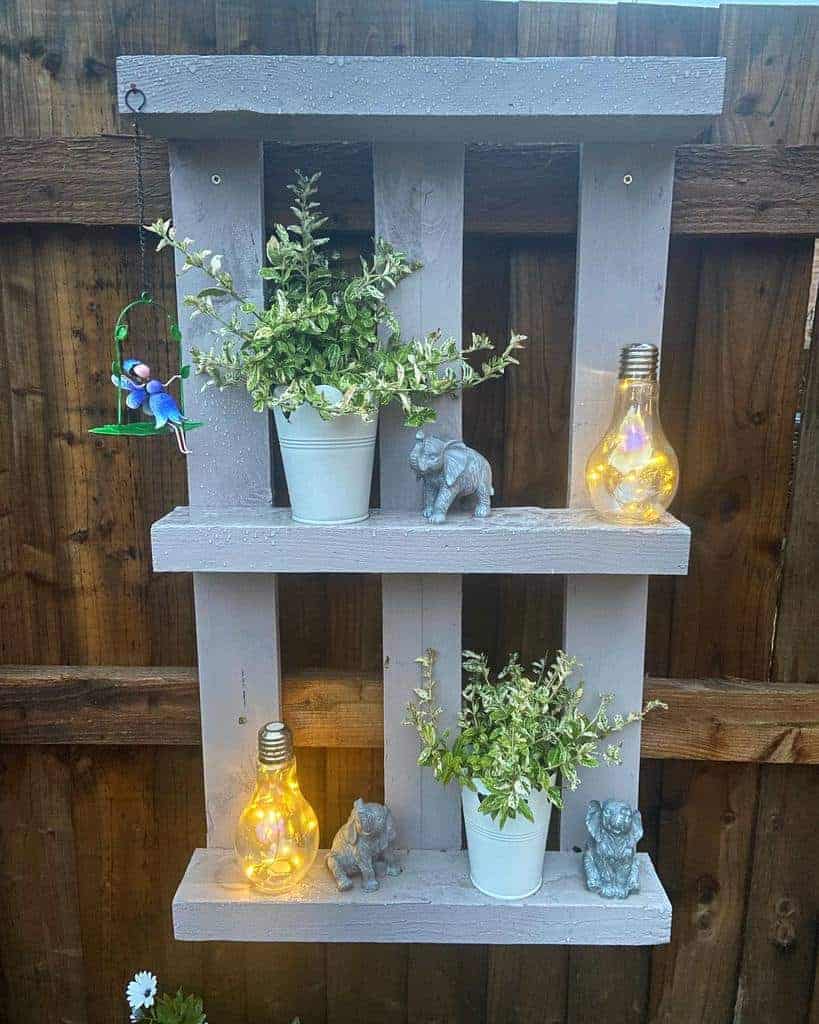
column 77, row 584
column 736, row 464
column 217, row 199
column 42, row 960
column 705, row 844
column 622, row 252
column 418, row 192
column 796, row 650
column 779, row 944
column 419, row 208
column 772, row 85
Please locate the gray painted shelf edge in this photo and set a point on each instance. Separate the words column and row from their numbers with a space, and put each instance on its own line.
column 533, row 99
column 432, row 901
column 511, row 541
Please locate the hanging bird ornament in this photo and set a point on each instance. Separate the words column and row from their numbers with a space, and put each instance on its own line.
column 133, row 377
column 141, row 389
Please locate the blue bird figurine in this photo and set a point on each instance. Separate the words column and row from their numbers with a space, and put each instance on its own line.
column 136, row 380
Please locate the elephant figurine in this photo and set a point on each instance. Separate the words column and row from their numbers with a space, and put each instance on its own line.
column 363, row 846
column 450, row 470
column 610, row 859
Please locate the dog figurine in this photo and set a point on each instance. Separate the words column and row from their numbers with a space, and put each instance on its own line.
column 363, row 846
column 610, row 859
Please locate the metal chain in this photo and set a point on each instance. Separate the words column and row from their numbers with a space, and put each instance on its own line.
column 135, row 101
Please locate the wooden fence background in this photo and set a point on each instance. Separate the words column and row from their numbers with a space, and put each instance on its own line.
column 100, row 774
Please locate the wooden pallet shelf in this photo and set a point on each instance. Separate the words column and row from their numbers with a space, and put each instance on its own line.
column 629, row 114
column 432, row 901
column 511, row 540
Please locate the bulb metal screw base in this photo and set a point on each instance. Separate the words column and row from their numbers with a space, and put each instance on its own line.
column 639, row 362
column 275, row 743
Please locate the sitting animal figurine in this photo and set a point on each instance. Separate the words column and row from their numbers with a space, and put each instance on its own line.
column 450, row 470
column 362, row 846
column 610, row 860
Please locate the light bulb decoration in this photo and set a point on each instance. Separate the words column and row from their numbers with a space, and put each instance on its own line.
column 277, row 835
column 633, row 473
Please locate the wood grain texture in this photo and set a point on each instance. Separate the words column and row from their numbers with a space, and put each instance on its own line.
column 706, row 823
column 76, row 582
column 773, row 81
column 43, row 973
column 707, row 719
column 796, row 645
column 779, row 945
column 737, row 454
column 521, row 191
column 262, row 540
column 431, row 901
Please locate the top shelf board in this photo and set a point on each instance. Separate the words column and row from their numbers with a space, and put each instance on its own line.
column 407, row 99
column 511, row 540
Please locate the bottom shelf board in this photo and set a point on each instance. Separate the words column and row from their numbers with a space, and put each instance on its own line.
column 433, row 900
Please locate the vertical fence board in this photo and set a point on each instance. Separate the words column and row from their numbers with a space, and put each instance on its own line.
column 735, row 472
column 45, row 972
column 566, row 30
column 796, row 650
column 780, row 943
column 81, row 505
column 737, row 461
column 772, row 87
column 646, row 31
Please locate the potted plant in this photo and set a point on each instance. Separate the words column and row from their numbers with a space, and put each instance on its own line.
column 518, row 731
column 313, row 355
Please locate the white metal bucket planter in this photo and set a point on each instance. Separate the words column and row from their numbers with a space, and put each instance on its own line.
column 507, row 862
column 328, row 463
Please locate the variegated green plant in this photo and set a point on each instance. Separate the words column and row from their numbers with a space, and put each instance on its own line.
column 519, row 730
column 321, row 327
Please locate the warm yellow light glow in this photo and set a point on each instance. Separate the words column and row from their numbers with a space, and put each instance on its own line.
column 277, row 835
column 632, row 474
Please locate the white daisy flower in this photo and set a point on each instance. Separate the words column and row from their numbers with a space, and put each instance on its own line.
column 141, row 991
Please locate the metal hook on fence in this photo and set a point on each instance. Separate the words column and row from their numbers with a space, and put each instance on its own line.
column 135, row 99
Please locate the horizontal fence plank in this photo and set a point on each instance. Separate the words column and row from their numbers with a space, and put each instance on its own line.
column 527, row 191
column 707, row 719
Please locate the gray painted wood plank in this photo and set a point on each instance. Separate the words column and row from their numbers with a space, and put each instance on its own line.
column 418, row 196
column 422, row 612
column 239, row 688
column 236, row 616
column 510, row 540
column 434, row 98
column 431, row 901
column 622, row 257
column 604, row 628
column 231, row 453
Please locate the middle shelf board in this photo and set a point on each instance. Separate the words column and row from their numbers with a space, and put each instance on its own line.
column 431, row 901
column 511, row 540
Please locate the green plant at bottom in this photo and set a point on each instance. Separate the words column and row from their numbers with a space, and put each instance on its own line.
column 148, row 1008
column 519, row 729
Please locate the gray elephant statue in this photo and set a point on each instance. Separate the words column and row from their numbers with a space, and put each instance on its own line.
column 363, row 846
column 450, row 470
column 610, row 859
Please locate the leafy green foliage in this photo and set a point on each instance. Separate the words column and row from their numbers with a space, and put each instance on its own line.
column 518, row 730
column 178, row 1009
column 320, row 327
column 168, row 1009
